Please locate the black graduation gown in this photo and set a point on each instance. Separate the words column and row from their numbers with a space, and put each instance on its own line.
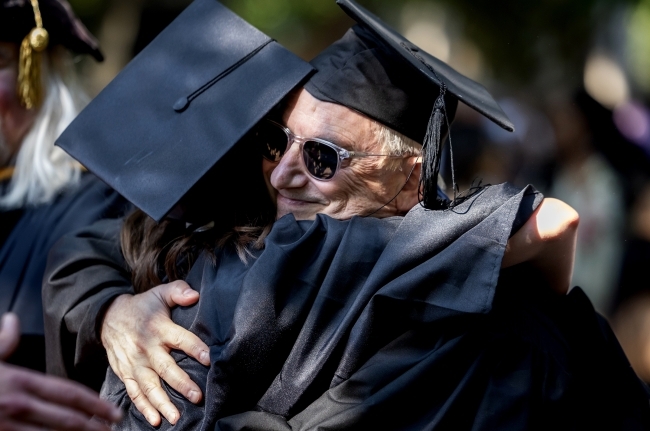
column 26, row 236
column 400, row 323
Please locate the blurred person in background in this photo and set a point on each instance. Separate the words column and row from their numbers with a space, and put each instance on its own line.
column 484, row 153
column 586, row 181
column 31, row 400
column 44, row 193
column 631, row 315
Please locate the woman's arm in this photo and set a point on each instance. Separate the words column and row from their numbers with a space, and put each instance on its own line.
column 85, row 271
column 548, row 241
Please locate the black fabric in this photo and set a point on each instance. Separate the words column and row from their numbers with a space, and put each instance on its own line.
column 633, row 268
column 320, row 332
column 30, row 353
column 23, row 253
column 63, row 27
column 181, row 105
column 400, row 323
column 85, row 272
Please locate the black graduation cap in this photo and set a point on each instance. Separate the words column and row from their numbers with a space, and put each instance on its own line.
column 64, row 28
column 375, row 70
column 35, row 25
column 180, row 106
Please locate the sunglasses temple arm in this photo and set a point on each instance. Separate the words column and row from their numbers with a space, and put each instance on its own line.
column 360, row 154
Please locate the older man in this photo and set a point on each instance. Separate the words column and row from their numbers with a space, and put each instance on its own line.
column 342, row 321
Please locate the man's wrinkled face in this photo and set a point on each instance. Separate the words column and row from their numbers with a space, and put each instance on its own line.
column 360, row 186
column 15, row 120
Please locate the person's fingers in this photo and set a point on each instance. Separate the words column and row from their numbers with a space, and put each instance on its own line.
column 38, row 412
column 170, row 372
column 141, row 402
column 9, row 334
column 149, row 384
column 177, row 293
column 179, row 338
column 70, row 394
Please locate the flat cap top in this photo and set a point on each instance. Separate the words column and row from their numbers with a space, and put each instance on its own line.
column 181, row 105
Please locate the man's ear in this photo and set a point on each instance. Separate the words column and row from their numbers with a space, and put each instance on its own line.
column 408, row 197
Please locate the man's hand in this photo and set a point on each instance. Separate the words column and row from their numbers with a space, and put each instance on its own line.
column 138, row 335
column 31, row 400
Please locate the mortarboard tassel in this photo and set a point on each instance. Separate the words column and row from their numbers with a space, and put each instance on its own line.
column 431, row 155
column 30, row 87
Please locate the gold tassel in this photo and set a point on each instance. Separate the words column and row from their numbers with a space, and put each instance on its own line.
column 30, row 87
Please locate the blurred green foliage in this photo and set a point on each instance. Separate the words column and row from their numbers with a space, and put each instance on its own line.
column 639, row 34
column 516, row 37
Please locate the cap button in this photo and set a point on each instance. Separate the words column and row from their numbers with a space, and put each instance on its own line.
column 181, row 104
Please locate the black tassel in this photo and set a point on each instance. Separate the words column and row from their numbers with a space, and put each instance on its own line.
column 431, row 154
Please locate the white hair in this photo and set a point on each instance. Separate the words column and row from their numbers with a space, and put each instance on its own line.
column 393, row 142
column 396, row 144
column 42, row 170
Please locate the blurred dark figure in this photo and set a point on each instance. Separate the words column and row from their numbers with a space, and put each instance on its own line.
column 44, row 193
column 631, row 316
column 628, row 203
column 630, row 160
column 585, row 179
column 485, row 153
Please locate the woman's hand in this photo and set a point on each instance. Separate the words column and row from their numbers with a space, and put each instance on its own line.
column 138, row 334
column 31, row 400
column 548, row 241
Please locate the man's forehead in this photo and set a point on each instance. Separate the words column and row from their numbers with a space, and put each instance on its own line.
column 307, row 116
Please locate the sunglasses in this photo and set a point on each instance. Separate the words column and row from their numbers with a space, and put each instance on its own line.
column 322, row 158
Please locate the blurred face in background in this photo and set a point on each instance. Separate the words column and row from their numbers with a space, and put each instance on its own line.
column 15, row 120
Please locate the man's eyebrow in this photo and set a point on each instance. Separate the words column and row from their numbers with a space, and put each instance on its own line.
column 341, row 141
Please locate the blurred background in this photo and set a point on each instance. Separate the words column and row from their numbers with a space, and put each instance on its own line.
column 574, row 76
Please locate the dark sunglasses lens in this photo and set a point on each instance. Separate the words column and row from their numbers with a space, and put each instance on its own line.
column 272, row 141
column 321, row 160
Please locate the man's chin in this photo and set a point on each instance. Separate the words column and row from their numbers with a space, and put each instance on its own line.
column 298, row 214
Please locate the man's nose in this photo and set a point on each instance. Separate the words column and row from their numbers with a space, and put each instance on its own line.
column 290, row 173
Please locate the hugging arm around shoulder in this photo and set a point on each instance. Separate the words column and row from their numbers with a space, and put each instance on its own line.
column 85, row 272
column 345, row 354
column 405, row 332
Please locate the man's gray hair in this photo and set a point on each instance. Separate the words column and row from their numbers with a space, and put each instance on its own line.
column 394, row 143
column 42, row 170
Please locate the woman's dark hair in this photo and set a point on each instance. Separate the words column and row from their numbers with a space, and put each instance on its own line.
column 232, row 206
column 167, row 250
